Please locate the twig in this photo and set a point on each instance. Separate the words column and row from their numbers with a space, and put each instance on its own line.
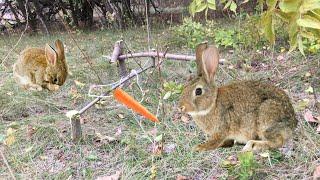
column 86, row 57
column 7, row 164
column 123, row 80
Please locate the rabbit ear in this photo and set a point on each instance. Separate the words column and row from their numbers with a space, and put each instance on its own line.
column 210, row 61
column 199, row 50
column 59, row 48
column 51, row 55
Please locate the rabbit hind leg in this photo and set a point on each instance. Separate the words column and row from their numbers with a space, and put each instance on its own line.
column 26, row 82
column 214, row 142
column 272, row 138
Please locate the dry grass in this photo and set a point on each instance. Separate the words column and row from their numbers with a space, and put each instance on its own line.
column 43, row 148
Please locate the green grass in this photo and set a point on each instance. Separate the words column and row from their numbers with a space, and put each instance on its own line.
column 43, row 147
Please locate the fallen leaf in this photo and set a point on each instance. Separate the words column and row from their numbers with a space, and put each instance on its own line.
column 102, row 138
column 265, row 154
column 153, row 131
column 121, row 116
column 43, row 157
column 301, row 105
column 309, row 90
column 185, row 119
column 119, row 131
column 181, row 177
column 28, row 149
column 309, row 117
column 115, row 176
column 10, row 139
column 308, row 74
column 167, row 95
column 153, row 172
column 280, row 58
column 158, row 138
column 78, row 83
column 169, row 148
column 316, row 173
column 2, row 138
column 30, row 131
column 230, row 161
column 92, row 157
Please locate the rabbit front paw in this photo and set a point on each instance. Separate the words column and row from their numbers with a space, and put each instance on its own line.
column 53, row 87
column 249, row 146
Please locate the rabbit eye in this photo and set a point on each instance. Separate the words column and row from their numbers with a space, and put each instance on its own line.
column 198, row 91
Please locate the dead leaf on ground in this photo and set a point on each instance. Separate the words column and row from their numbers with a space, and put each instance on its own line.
column 156, row 148
column 169, row 148
column 78, row 83
column 121, row 116
column 115, row 176
column 309, row 117
column 119, row 131
column 153, row 131
column 10, row 139
column 104, row 139
column 181, row 177
column 316, row 173
column 185, row 119
column 30, row 131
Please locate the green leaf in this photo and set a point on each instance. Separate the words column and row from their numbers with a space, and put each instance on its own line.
column 201, row 7
column 192, row 8
column 307, row 34
column 271, row 4
column 2, row 138
column 309, row 21
column 309, row 5
column 233, row 7
column 245, row 1
column 300, row 45
column 293, row 31
column 212, row 4
column 228, row 4
column 268, row 28
column 158, row 138
column 283, row 16
column 289, row 5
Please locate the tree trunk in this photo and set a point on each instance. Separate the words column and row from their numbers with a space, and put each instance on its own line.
column 74, row 13
column 38, row 11
column 86, row 14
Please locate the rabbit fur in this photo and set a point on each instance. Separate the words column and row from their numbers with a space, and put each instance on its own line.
column 254, row 113
column 38, row 68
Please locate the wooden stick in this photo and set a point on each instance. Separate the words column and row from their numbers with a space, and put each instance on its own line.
column 178, row 57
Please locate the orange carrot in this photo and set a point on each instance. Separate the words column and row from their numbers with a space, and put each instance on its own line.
column 127, row 100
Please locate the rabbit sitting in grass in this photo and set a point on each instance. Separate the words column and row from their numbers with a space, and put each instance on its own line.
column 39, row 68
column 253, row 113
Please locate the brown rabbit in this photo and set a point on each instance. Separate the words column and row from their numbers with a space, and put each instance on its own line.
column 254, row 113
column 39, row 68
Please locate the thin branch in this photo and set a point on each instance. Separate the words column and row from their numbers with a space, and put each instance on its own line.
column 86, row 57
column 123, row 80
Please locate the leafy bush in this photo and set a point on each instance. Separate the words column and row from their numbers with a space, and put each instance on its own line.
column 302, row 18
column 190, row 33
